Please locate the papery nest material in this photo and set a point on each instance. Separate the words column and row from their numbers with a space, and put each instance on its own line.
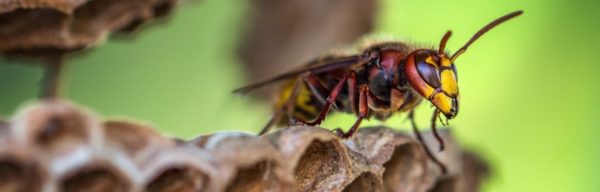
column 127, row 156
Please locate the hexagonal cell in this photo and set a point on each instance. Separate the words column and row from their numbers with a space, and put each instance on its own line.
column 135, row 139
column 178, row 178
column 321, row 167
column 406, row 169
column 60, row 133
column 20, row 175
column 246, row 162
column 256, row 178
column 95, row 178
column 55, row 128
column 177, row 169
column 377, row 144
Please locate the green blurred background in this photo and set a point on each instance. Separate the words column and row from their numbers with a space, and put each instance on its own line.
column 528, row 88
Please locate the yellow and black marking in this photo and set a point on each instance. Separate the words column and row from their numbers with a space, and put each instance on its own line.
column 444, row 97
column 306, row 105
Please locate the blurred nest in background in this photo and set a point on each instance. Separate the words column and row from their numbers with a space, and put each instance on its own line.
column 47, row 30
column 284, row 34
column 52, row 28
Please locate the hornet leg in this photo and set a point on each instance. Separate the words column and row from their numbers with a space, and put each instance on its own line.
column 363, row 111
column 436, row 114
column 411, row 116
column 330, row 100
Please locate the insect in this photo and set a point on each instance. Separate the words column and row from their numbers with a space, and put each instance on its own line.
column 380, row 80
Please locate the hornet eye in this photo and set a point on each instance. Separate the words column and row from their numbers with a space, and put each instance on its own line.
column 429, row 73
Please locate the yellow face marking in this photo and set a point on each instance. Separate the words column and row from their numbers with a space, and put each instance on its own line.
column 442, row 102
column 429, row 91
column 449, row 85
column 446, row 62
column 430, row 60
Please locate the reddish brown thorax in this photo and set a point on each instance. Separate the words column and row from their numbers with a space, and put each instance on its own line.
column 384, row 72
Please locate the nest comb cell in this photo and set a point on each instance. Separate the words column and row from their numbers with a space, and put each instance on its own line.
column 47, row 30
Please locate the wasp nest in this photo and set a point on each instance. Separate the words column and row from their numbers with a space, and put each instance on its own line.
column 54, row 145
column 53, row 27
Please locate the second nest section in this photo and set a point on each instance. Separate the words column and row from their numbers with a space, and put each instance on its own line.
column 54, row 145
column 45, row 28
